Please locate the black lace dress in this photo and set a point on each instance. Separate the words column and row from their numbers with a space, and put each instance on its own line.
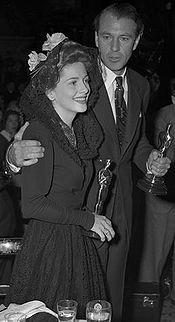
column 57, row 261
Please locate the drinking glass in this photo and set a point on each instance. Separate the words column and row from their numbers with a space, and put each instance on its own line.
column 98, row 310
column 15, row 317
column 67, row 310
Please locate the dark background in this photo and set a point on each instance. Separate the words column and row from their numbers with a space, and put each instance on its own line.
column 24, row 25
column 36, row 17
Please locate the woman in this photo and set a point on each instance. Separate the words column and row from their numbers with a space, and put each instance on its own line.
column 7, row 207
column 57, row 260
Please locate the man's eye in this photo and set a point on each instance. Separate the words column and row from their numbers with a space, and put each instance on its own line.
column 125, row 38
column 106, row 37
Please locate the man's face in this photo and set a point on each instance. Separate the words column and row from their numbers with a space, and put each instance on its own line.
column 116, row 39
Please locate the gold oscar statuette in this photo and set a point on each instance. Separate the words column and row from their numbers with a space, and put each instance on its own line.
column 150, row 182
column 104, row 180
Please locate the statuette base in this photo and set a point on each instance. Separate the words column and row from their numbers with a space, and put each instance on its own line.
column 153, row 184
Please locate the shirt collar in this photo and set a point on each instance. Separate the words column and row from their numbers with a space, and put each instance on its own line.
column 109, row 76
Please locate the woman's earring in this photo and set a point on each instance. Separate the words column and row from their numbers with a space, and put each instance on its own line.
column 52, row 98
column 50, row 95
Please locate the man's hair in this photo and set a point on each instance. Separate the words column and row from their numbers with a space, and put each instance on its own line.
column 121, row 10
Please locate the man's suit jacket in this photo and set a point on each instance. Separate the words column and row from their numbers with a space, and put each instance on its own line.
column 164, row 116
column 159, row 211
column 136, row 148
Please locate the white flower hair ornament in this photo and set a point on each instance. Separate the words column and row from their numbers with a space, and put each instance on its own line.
column 35, row 59
column 51, row 42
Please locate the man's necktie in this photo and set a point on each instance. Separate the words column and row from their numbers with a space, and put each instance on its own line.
column 121, row 110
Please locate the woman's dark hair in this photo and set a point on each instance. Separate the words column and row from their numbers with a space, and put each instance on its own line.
column 121, row 10
column 67, row 52
column 47, row 74
column 36, row 105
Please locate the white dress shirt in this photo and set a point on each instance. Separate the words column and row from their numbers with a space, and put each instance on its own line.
column 110, row 84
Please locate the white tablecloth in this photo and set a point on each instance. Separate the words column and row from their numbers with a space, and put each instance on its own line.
column 29, row 308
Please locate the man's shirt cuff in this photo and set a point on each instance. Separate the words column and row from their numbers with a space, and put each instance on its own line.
column 147, row 168
column 11, row 166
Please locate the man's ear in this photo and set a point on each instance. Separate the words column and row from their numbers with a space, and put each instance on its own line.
column 50, row 94
column 136, row 42
column 96, row 39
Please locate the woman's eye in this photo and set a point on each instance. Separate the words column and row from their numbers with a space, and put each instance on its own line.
column 86, row 80
column 73, row 82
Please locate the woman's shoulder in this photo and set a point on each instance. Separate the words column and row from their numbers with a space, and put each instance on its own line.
column 35, row 130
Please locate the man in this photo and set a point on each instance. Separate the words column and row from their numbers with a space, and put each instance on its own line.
column 159, row 228
column 118, row 29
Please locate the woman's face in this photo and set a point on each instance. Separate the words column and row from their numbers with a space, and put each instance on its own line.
column 12, row 123
column 71, row 93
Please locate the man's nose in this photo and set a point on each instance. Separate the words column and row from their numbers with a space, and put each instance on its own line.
column 115, row 46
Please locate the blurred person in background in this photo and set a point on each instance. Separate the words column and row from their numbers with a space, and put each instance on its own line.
column 10, row 126
column 10, row 92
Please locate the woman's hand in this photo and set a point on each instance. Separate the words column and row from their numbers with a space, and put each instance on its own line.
column 103, row 227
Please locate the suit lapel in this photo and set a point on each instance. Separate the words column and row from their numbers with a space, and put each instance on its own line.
column 134, row 112
column 105, row 116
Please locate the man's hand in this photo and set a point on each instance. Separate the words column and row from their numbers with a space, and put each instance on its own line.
column 158, row 165
column 19, row 134
column 103, row 227
column 24, row 152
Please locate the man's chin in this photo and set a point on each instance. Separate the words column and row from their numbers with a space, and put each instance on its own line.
column 116, row 67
